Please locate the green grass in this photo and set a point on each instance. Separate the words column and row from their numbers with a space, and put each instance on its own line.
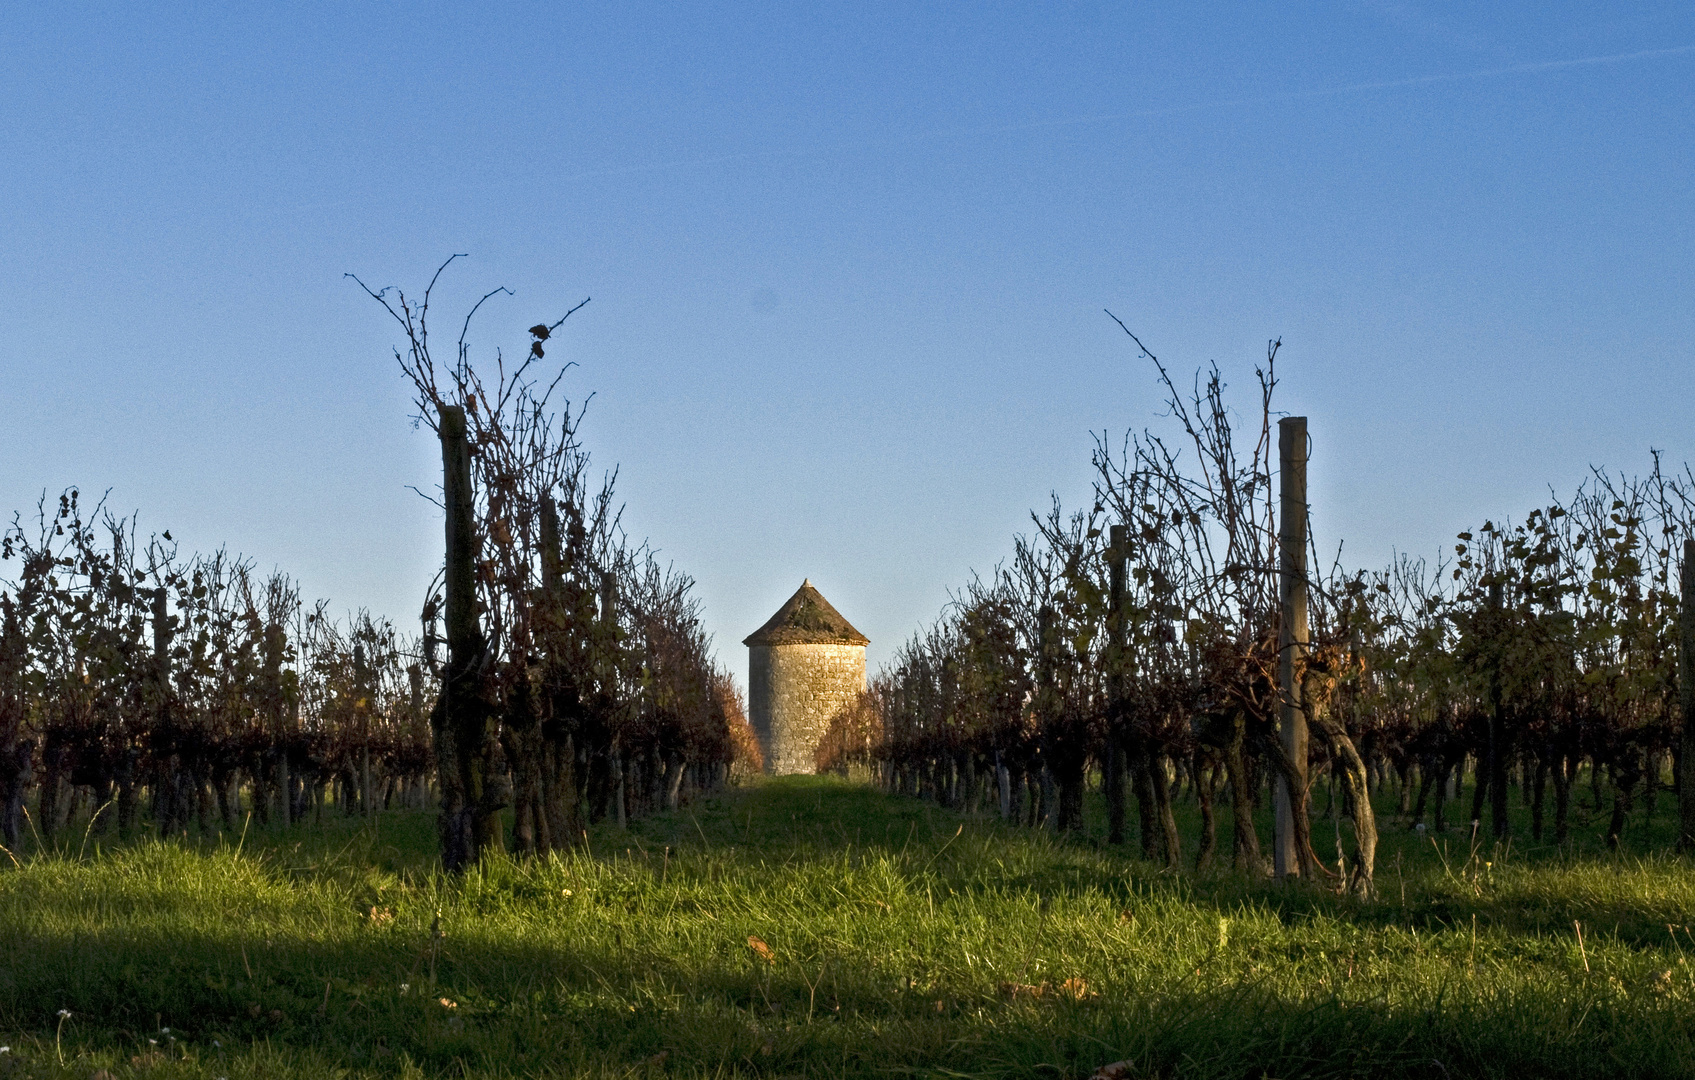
column 904, row 941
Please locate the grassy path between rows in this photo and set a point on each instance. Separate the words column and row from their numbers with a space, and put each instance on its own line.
column 808, row 927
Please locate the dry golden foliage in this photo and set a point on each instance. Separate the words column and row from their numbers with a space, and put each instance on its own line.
column 853, row 737
column 746, row 759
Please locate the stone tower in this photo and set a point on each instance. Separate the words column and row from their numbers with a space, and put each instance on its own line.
column 803, row 666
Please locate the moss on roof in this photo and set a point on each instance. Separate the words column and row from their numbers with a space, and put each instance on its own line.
column 807, row 619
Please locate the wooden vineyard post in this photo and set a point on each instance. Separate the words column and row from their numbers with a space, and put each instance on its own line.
column 415, row 683
column 166, row 797
column 558, row 745
column 1044, row 706
column 364, row 693
column 609, row 620
column 467, row 717
column 1291, row 636
column 16, row 752
column 1113, row 778
column 275, row 642
column 1497, row 763
column 1686, row 696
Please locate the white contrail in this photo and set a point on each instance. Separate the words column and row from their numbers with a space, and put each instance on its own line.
column 1487, row 73
column 1360, row 88
column 1140, row 114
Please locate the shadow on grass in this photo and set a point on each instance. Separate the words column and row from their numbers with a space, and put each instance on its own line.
column 903, row 938
column 525, row 1008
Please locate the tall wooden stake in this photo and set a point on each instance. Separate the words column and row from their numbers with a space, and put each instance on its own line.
column 1497, row 763
column 367, row 701
column 559, row 773
column 1686, row 694
column 1291, row 631
column 1117, row 620
column 275, row 642
column 466, row 713
column 171, row 814
column 609, row 618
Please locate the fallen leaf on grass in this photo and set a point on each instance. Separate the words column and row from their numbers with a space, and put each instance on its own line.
column 1076, row 989
column 1118, row 1070
column 760, row 949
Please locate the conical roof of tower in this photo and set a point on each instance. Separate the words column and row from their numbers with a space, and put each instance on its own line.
column 807, row 619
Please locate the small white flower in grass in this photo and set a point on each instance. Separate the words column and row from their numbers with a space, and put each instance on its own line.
column 5, row 1049
column 164, row 1031
column 216, row 1045
column 59, row 1046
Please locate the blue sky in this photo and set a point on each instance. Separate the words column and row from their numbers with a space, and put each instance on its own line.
column 848, row 263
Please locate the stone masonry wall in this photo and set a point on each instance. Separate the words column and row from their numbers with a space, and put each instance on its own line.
column 793, row 692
